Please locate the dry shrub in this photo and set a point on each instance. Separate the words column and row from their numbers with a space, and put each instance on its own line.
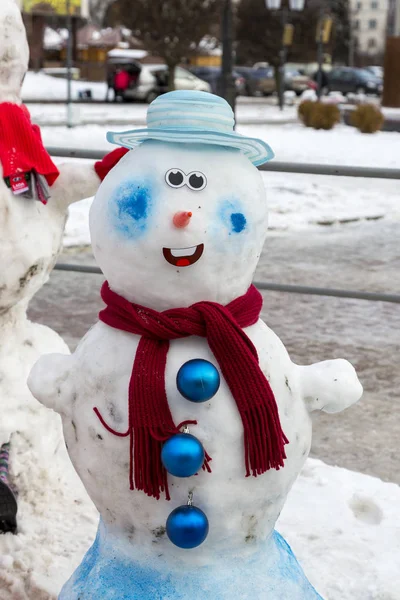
column 304, row 111
column 367, row 118
column 324, row 116
column 319, row 115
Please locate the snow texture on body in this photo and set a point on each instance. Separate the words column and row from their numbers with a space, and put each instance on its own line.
column 131, row 222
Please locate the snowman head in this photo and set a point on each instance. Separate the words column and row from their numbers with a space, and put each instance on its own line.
column 182, row 217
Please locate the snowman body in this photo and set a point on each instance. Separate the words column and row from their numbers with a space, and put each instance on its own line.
column 173, row 225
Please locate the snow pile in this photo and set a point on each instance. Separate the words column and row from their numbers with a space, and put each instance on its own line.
column 38, row 86
column 343, row 527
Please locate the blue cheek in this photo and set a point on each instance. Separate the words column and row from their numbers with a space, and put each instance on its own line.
column 131, row 206
column 231, row 215
column 238, row 221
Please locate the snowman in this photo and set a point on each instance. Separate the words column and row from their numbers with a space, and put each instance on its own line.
column 182, row 411
column 31, row 237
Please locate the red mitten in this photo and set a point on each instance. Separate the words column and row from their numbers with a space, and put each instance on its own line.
column 103, row 167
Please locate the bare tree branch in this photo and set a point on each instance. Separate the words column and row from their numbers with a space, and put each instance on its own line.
column 171, row 29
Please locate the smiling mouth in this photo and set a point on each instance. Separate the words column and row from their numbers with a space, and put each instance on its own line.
column 183, row 257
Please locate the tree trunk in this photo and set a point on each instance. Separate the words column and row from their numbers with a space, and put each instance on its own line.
column 391, row 85
column 36, row 40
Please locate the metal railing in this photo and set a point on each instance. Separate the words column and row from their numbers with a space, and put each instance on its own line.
column 274, row 287
column 273, row 166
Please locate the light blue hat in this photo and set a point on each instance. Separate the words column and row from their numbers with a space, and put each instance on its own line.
column 194, row 118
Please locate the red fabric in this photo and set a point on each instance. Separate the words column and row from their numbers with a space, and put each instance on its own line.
column 121, row 80
column 103, row 167
column 149, row 416
column 21, row 147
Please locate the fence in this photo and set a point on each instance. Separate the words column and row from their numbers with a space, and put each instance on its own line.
column 281, row 167
column 274, row 166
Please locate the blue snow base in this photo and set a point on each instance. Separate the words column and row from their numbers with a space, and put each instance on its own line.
column 273, row 573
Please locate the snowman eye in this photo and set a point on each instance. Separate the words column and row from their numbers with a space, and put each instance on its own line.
column 196, row 181
column 175, row 178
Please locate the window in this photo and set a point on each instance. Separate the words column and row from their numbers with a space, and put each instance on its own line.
column 372, row 43
column 374, row 5
column 359, row 5
column 357, row 25
column 372, row 23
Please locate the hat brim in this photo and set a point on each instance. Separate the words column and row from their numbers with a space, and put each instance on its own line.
column 257, row 151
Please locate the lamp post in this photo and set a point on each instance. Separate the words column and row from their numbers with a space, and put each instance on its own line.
column 324, row 29
column 295, row 6
column 352, row 19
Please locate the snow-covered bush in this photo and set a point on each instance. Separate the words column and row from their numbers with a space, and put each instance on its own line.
column 319, row 115
column 324, row 115
column 368, row 118
column 305, row 110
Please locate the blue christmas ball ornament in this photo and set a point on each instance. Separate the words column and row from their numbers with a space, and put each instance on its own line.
column 182, row 455
column 198, row 380
column 187, row 526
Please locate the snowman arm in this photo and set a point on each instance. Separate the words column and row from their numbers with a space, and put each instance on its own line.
column 50, row 383
column 75, row 182
column 331, row 385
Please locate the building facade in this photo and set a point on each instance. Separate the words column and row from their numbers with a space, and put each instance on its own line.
column 369, row 27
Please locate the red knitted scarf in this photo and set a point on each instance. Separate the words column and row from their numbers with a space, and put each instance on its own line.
column 21, row 146
column 149, row 417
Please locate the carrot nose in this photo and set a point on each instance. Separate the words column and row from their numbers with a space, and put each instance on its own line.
column 181, row 219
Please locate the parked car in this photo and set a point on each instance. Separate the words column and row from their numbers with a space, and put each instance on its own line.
column 151, row 80
column 259, row 81
column 212, row 76
column 297, row 82
column 352, row 80
column 376, row 70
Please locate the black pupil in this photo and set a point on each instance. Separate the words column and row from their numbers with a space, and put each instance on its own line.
column 196, row 181
column 175, row 178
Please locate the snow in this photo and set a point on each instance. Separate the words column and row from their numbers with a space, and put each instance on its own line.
column 344, row 529
column 52, row 39
column 129, row 53
column 38, row 86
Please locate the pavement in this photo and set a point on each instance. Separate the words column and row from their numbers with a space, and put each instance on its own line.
column 360, row 256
